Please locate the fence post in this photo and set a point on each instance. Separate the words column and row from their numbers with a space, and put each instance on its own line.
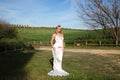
column 100, row 43
column 74, row 43
column 40, row 42
column 116, row 43
column 34, row 42
column 86, row 43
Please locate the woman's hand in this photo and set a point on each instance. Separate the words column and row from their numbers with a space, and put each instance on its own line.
column 54, row 49
column 63, row 49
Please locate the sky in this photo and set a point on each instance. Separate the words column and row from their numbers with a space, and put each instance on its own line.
column 42, row 13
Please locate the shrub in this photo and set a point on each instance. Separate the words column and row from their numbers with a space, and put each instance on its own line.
column 7, row 45
column 7, row 31
column 9, row 40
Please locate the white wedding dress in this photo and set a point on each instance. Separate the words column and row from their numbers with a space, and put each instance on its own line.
column 57, row 58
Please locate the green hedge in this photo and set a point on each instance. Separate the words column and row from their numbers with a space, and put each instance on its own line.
column 7, row 45
column 9, row 38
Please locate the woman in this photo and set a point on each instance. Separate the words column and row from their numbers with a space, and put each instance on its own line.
column 57, row 50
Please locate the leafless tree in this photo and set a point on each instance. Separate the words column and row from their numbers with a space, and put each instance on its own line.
column 104, row 14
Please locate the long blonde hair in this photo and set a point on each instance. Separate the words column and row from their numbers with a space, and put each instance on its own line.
column 57, row 28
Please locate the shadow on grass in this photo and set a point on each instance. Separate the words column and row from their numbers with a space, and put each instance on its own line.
column 12, row 65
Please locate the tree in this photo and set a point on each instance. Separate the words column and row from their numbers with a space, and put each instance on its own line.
column 7, row 30
column 104, row 14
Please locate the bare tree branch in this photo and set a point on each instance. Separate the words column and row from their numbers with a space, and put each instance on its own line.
column 103, row 14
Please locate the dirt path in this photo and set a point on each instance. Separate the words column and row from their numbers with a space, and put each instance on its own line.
column 92, row 51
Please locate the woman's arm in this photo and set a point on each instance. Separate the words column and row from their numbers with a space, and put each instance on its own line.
column 52, row 39
column 63, row 43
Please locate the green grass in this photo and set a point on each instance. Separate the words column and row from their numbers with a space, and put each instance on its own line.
column 44, row 34
column 34, row 65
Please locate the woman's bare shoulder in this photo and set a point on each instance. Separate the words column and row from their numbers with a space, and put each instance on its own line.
column 54, row 35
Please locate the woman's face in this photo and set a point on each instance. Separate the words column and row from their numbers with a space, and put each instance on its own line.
column 59, row 29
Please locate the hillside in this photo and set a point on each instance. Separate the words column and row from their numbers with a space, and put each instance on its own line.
column 44, row 34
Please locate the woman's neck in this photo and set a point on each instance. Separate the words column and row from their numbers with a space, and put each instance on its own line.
column 58, row 33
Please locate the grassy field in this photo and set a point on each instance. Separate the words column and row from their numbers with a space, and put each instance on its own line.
column 71, row 36
column 34, row 65
column 44, row 34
